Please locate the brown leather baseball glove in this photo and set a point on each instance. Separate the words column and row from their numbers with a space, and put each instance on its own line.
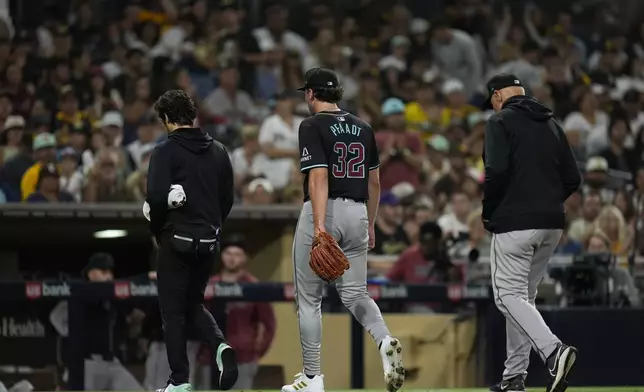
column 327, row 259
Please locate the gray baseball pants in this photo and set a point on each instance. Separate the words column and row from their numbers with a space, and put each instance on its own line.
column 347, row 222
column 102, row 375
column 246, row 375
column 519, row 261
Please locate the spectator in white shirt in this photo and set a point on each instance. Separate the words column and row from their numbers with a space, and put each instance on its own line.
column 395, row 64
column 172, row 43
column 437, row 164
column 228, row 101
column 248, row 160
column 455, row 222
column 278, row 140
column 590, row 122
column 71, row 179
column 526, row 67
column 147, row 135
column 5, row 17
column 457, row 55
column 112, row 127
column 633, row 108
column 275, row 34
column 397, row 60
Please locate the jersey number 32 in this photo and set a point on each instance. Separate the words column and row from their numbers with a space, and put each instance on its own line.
column 350, row 160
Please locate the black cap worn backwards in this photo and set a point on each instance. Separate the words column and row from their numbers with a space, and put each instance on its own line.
column 319, row 78
column 499, row 82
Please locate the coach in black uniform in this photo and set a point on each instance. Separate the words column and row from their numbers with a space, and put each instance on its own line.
column 188, row 236
column 530, row 171
column 339, row 158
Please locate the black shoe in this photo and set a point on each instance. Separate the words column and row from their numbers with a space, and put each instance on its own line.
column 559, row 364
column 514, row 384
column 227, row 366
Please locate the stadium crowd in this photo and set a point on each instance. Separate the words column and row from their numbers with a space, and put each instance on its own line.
column 77, row 89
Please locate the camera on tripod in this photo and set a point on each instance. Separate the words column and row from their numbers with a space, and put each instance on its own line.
column 587, row 281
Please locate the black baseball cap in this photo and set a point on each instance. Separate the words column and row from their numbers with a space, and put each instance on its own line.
column 319, row 78
column 101, row 261
column 499, row 82
column 237, row 240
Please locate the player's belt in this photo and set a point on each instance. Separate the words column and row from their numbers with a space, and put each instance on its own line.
column 347, row 199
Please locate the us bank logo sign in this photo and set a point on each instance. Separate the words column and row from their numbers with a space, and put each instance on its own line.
column 228, row 290
column 121, row 290
column 35, row 290
column 143, row 290
column 124, row 290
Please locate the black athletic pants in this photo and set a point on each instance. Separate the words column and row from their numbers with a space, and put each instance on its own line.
column 182, row 280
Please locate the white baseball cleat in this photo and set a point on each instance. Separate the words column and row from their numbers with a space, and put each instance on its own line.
column 392, row 363
column 304, row 384
column 176, row 388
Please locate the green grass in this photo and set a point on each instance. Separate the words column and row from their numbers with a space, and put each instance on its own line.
column 533, row 389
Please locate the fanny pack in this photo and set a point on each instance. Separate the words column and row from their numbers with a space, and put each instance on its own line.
column 201, row 241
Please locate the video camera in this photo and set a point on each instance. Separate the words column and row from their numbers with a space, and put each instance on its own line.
column 586, row 282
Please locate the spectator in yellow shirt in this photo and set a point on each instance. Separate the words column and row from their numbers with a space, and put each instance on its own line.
column 44, row 146
column 424, row 114
column 456, row 109
column 70, row 118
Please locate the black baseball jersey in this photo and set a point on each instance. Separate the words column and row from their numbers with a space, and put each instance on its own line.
column 345, row 145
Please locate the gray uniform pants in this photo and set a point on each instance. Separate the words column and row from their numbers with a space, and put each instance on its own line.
column 246, row 375
column 347, row 222
column 519, row 261
column 102, row 375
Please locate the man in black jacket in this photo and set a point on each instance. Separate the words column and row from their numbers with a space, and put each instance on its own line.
column 103, row 328
column 188, row 236
column 530, row 171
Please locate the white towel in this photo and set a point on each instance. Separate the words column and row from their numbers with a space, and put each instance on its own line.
column 176, row 199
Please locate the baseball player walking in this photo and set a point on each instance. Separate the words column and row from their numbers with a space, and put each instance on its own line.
column 530, row 171
column 340, row 162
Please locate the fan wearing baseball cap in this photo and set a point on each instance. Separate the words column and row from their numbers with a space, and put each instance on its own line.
column 530, row 171
column 49, row 187
column 69, row 118
column 44, row 147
